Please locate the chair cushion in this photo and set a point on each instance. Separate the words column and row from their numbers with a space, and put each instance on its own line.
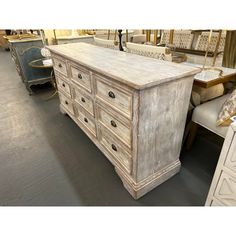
column 206, row 115
column 207, row 94
column 228, row 109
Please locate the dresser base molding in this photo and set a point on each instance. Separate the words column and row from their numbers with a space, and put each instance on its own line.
column 135, row 116
column 139, row 189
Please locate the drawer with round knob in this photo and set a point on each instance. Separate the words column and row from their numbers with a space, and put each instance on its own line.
column 83, row 99
column 119, row 152
column 63, row 86
column 66, row 103
column 118, row 127
column 86, row 119
column 119, row 100
column 60, row 66
column 81, row 77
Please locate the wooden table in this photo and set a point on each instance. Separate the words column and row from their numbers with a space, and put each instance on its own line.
column 40, row 64
column 227, row 75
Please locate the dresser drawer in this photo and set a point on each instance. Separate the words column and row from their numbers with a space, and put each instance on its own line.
column 63, row 85
column 86, row 119
column 216, row 203
column 60, row 65
column 231, row 156
column 115, row 125
column 81, row 77
column 116, row 149
column 66, row 103
column 226, row 189
column 83, row 99
column 116, row 98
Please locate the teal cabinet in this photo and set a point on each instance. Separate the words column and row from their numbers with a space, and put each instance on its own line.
column 23, row 52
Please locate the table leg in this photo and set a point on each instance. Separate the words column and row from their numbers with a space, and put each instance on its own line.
column 53, row 81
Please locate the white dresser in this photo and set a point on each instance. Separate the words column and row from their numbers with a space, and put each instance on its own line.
column 223, row 187
column 132, row 107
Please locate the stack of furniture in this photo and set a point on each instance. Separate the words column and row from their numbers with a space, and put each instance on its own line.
column 132, row 107
column 24, row 51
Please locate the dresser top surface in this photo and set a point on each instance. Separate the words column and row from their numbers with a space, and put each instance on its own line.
column 136, row 71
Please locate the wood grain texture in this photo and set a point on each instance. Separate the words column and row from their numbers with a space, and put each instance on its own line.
column 63, row 85
column 162, row 119
column 115, row 125
column 60, row 65
column 115, row 97
column 83, row 98
column 139, row 130
column 80, row 77
column 86, row 119
column 135, row 71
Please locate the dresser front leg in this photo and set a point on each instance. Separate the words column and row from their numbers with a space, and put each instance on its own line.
column 62, row 110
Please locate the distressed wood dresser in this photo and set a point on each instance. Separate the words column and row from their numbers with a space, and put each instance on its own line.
column 132, row 107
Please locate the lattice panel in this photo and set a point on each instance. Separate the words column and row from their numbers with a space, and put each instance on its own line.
column 182, row 38
column 105, row 43
column 226, row 189
column 231, row 157
column 165, row 37
column 160, row 56
column 203, row 41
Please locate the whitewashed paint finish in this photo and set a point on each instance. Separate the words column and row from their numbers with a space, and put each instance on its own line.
column 134, row 70
column 144, row 145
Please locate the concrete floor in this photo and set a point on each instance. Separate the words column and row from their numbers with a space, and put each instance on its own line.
column 46, row 160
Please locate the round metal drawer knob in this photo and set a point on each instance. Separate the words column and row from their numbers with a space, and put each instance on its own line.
column 66, row 102
column 63, row 85
column 114, row 147
column 111, row 94
column 79, row 76
column 86, row 120
column 113, row 123
column 60, row 65
column 82, row 99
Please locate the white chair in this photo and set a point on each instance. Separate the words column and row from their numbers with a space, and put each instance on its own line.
column 161, row 53
column 181, row 38
column 138, row 38
column 106, row 43
column 202, row 42
column 206, row 115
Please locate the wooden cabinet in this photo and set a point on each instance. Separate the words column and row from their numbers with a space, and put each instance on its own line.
column 132, row 107
column 223, row 187
column 24, row 51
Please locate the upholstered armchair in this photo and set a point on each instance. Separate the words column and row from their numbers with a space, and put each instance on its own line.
column 206, row 115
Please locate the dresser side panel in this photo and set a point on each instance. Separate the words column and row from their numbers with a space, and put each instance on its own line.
column 162, row 116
